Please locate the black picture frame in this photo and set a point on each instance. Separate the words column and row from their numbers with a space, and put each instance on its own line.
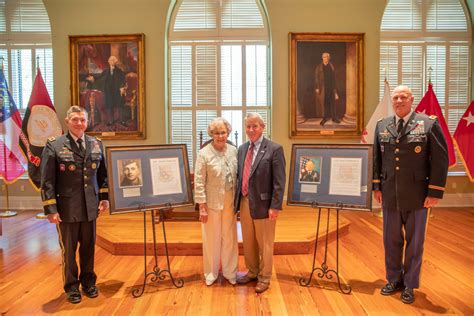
column 163, row 177
column 317, row 177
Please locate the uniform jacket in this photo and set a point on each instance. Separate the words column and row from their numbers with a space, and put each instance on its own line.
column 266, row 180
column 412, row 166
column 71, row 183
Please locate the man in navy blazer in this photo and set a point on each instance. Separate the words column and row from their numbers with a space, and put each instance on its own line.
column 259, row 198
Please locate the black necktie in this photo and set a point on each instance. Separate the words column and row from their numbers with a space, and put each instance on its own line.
column 79, row 145
column 400, row 126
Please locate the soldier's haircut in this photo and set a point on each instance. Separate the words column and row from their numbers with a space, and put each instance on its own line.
column 127, row 162
column 76, row 109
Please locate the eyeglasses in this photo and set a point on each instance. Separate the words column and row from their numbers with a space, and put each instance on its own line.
column 219, row 133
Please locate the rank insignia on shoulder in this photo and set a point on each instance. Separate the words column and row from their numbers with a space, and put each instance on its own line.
column 380, row 119
column 433, row 117
column 98, row 139
column 52, row 139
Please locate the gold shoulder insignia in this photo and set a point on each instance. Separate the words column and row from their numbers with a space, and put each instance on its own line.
column 52, row 139
column 433, row 117
column 98, row 139
column 379, row 120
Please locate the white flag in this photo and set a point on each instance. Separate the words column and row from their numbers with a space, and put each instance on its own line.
column 383, row 109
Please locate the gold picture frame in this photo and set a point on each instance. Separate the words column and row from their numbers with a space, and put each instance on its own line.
column 108, row 79
column 326, row 85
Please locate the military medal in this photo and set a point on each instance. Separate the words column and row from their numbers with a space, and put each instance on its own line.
column 94, row 165
column 418, row 149
column 62, row 167
column 72, row 167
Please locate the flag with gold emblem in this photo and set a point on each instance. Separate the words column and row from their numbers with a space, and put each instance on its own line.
column 39, row 124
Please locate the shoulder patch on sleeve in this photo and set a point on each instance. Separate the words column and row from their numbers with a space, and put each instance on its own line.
column 433, row 117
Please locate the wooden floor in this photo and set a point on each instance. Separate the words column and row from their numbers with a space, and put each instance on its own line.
column 122, row 234
column 30, row 277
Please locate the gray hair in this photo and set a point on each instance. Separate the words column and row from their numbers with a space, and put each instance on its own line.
column 218, row 121
column 255, row 115
column 76, row 109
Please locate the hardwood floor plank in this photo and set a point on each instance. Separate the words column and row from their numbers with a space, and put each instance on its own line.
column 31, row 283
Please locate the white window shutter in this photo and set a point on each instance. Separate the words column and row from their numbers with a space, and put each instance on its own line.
column 257, row 75
column 22, row 76
column 412, row 70
column 446, row 15
column 45, row 58
column 231, row 75
column 195, row 14
column 388, row 67
column 401, row 15
column 203, row 117
column 458, row 75
column 30, row 16
column 181, row 76
column 436, row 59
column 206, row 75
column 181, row 130
column 241, row 14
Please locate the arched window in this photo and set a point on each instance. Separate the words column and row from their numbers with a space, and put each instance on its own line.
column 218, row 66
column 417, row 35
column 25, row 43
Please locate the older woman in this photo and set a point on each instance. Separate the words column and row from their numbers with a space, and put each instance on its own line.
column 214, row 186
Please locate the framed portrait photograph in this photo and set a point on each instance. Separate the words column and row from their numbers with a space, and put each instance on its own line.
column 333, row 176
column 148, row 177
column 326, row 84
column 108, row 80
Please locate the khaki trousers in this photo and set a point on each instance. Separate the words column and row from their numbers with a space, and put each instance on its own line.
column 258, row 236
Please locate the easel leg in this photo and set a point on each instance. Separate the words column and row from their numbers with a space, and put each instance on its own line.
column 324, row 271
column 157, row 273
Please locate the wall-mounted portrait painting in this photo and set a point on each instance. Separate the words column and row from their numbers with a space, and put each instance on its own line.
column 326, row 84
column 108, row 79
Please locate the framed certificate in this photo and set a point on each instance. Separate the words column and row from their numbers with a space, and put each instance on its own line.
column 334, row 176
column 148, row 177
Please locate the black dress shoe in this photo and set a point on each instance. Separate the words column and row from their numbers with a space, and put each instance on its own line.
column 323, row 122
column 408, row 296
column 391, row 288
column 91, row 291
column 336, row 121
column 74, row 296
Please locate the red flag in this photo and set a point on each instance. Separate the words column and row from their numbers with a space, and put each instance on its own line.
column 39, row 124
column 12, row 162
column 429, row 105
column 464, row 140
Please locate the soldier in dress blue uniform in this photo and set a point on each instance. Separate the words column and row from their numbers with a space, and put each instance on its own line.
column 74, row 192
column 410, row 170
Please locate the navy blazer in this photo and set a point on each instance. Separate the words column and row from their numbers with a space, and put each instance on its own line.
column 266, row 180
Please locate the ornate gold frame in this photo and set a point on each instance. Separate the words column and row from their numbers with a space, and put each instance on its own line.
column 347, row 59
column 133, row 66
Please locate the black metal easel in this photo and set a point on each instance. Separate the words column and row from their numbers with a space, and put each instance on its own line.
column 324, row 270
column 157, row 273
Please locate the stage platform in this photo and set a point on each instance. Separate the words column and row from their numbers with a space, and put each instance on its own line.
column 122, row 234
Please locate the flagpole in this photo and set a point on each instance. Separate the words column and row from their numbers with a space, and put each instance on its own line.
column 40, row 215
